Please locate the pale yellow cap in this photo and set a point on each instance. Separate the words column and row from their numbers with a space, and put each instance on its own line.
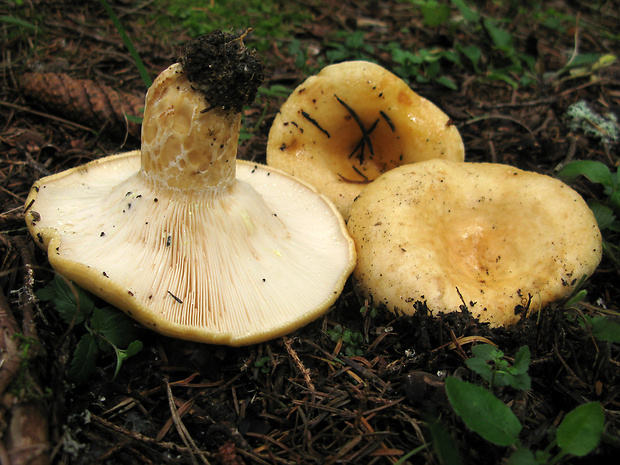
column 353, row 121
column 494, row 238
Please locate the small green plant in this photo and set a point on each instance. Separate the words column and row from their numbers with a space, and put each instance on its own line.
column 578, row 434
column 606, row 212
column 434, row 13
column 351, row 340
column 368, row 311
column 350, row 47
column 106, row 329
column 423, row 65
column 269, row 19
column 299, row 52
column 262, row 364
column 520, row 66
column 504, row 62
column 489, row 362
column 602, row 328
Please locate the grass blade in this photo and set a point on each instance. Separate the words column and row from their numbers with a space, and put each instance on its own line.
column 132, row 50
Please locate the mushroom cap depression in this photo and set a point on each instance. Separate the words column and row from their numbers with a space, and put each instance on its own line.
column 353, row 121
column 492, row 237
column 187, row 240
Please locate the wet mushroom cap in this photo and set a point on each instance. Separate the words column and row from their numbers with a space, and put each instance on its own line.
column 492, row 237
column 353, row 121
column 186, row 239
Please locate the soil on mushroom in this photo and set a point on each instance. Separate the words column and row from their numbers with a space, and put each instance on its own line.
column 352, row 387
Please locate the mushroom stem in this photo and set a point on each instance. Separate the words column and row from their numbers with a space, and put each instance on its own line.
column 192, row 114
column 182, row 147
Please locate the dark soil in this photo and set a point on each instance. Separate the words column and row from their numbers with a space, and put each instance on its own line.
column 307, row 401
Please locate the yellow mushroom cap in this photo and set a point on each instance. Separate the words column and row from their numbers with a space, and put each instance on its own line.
column 189, row 241
column 353, row 121
column 492, row 237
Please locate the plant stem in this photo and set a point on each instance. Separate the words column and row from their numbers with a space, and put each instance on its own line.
column 557, row 458
column 411, row 453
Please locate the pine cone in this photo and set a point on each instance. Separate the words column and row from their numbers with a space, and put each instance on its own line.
column 85, row 101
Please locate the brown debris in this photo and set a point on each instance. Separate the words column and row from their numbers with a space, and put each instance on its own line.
column 22, row 407
column 227, row 455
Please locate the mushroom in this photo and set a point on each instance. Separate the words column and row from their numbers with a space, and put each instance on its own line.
column 181, row 236
column 341, row 129
column 490, row 237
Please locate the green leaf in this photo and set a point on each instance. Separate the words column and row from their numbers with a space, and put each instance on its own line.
column 502, row 75
column 522, row 361
column 501, row 38
column 133, row 348
column 66, row 303
column 435, row 14
column 522, row 456
column 487, row 352
column 595, row 171
column 576, row 298
column 614, row 199
column 522, row 382
column 133, row 119
column 46, row 293
column 584, row 60
column 483, row 413
column 83, row 362
column 605, row 329
column 469, row 14
column 447, row 82
column 122, row 355
column 472, row 53
column 480, row 367
column 275, row 90
column 501, row 379
column 114, row 326
column 444, row 444
column 604, row 215
column 581, row 430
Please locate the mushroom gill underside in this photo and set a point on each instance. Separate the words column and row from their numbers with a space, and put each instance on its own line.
column 231, row 269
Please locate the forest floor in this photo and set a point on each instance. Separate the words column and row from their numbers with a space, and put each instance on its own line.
column 351, row 387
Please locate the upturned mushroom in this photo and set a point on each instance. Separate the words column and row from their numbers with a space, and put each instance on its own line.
column 353, row 121
column 183, row 237
column 496, row 239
